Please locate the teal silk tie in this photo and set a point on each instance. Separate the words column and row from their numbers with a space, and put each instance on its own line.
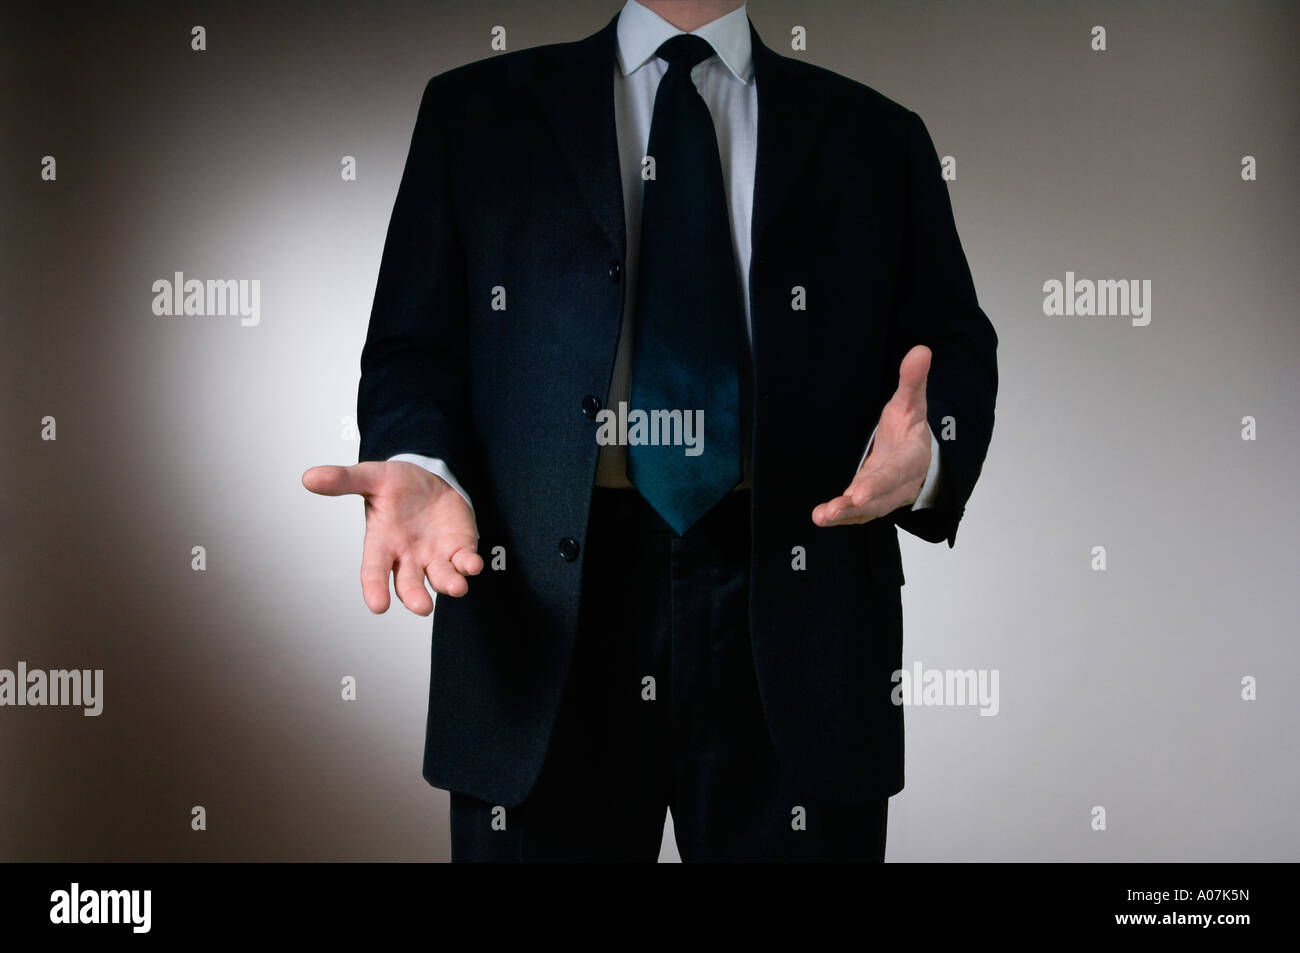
column 689, row 332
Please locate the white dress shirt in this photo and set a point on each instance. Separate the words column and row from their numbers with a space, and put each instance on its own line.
column 726, row 83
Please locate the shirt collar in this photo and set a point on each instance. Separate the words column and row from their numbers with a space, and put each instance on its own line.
column 641, row 31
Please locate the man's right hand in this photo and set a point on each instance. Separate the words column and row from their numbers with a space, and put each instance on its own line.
column 416, row 526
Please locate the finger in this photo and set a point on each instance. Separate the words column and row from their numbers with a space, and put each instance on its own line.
column 842, row 511
column 874, row 492
column 876, row 481
column 410, row 586
column 912, row 375
column 824, row 513
column 467, row 562
column 376, row 567
column 338, row 481
column 445, row 579
column 867, row 483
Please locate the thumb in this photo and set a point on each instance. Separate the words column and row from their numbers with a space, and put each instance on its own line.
column 912, row 375
column 339, row 481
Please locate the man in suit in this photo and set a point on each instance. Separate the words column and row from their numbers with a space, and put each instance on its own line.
column 648, row 302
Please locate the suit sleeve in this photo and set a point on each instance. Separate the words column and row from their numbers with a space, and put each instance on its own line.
column 940, row 310
column 414, row 390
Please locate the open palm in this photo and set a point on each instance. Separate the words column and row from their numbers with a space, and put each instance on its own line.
column 417, row 527
column 894, row 471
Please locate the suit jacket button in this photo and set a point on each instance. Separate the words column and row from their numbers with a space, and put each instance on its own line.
column 615, row 271
column 591, row 406
column 569, row 548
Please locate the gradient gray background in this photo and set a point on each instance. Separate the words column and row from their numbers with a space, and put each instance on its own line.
column 1118, row 689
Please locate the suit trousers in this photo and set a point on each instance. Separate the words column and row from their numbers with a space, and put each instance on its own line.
column 661, row 712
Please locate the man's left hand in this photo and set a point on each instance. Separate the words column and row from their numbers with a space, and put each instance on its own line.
column 894, row 471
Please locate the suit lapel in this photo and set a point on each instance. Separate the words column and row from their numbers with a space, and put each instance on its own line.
column 788, row 118
column 577, row 94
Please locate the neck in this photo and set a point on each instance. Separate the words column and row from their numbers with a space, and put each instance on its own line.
column 688, row 15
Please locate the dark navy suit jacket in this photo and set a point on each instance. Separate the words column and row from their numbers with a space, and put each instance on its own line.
column 513, row 180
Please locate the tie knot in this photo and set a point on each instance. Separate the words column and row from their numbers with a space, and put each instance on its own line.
column 684, row 50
